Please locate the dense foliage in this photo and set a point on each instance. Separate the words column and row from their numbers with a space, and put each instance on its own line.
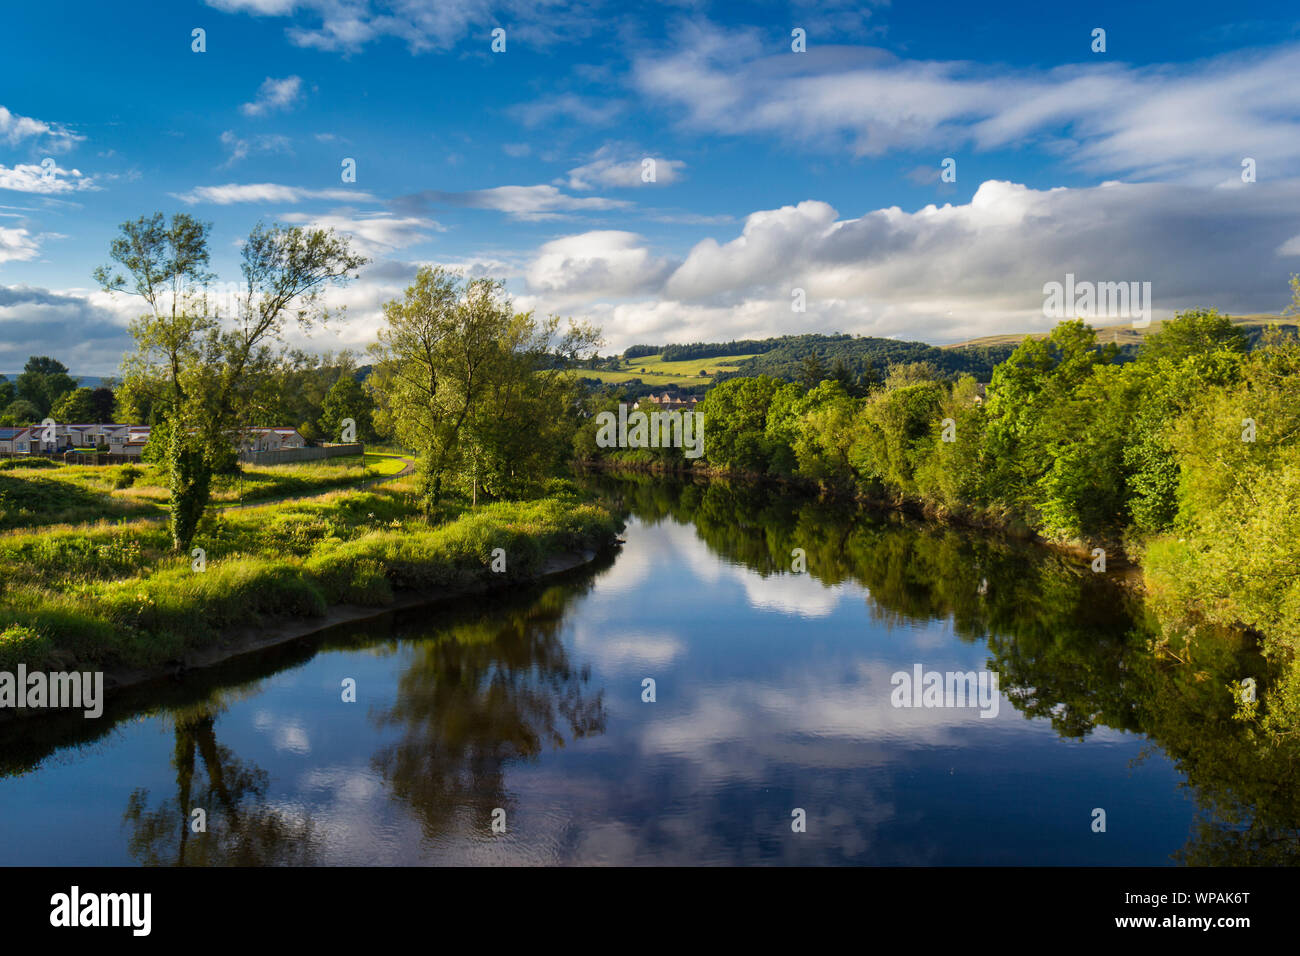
column 1189, row 455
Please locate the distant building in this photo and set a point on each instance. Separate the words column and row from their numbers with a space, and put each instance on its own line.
column 14, row 441
column 127, row 440
column 273, row 439
column 669, row 402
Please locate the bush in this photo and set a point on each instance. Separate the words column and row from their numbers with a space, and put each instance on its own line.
column 126, row 476
column 22, row 645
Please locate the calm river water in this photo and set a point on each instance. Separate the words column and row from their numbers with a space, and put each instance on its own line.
column 773, row 695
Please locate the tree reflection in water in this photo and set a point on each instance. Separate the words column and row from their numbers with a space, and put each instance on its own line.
column 242, row 829
column 478, row 696
column 1070, row 646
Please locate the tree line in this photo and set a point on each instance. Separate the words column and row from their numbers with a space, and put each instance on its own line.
column 1188, row 455
column 480, row 391
column 45, row 389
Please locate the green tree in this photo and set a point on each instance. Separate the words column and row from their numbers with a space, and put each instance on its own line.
column 812, row 371
column 75, row 407
column 211, row 365
column 104, row 403
column 20, row 412
column 473, row 386
column 735, row 415
column 1192, row 333
column 43, row 382
column 346, row 399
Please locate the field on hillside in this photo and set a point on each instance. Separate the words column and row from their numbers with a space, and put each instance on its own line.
column 653, row 370
column 37, row 492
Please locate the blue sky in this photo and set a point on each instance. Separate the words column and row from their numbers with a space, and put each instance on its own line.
column 775, row 170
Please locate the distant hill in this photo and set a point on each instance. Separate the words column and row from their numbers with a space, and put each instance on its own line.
column 697, row 365
column 87, row 381
column 865, row 354
column 1126, row 336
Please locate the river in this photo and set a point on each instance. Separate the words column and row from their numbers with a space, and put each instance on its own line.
column 772, row 629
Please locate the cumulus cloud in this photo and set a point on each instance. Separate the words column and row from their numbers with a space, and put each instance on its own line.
column 604, row 262
column 86, row 329
column 1193, row 121
column 520, row 202
column 265, row 192
column 941, row 273
column 17, row 245
column 274, row 95
column 31, row 178
column 14, row 129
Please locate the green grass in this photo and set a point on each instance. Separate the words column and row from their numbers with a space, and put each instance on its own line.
column 659, row 372
column 33, row 495
column 107, row 595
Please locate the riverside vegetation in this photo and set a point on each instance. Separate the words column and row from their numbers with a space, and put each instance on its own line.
column 1186, row 457
column 478, row 391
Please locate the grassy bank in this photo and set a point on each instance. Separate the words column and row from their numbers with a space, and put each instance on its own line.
column 38, row 491
column 113, row 595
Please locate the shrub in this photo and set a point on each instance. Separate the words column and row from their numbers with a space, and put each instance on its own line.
column 126, row 476
column 20, row 644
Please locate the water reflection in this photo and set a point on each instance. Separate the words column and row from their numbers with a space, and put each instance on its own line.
column 486, row 693
column 234, row 824
column 773, row 694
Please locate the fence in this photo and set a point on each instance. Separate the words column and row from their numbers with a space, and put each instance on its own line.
column 283, row 456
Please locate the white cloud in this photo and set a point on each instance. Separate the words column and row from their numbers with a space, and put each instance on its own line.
column 17, row 245
column 265, row 192
column 607, row 171
column 1191, row 121
column 15, row 128
column 520, row 202
column 87, row 330
column 372, row 234
column 240, row 148
column 349, row 25
column 604, row 262
column 274, row 95
column 568, row 108
column 941, row 273
column 31, row 178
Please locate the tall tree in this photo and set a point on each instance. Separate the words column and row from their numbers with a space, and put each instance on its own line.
column 75, row 407
column 210, row 364
column 469, row 383
column 105, row 404
column 43, row 382
column 346, row 399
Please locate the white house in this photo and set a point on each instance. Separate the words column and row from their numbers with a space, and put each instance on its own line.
column 15, row 441
column 273, row 439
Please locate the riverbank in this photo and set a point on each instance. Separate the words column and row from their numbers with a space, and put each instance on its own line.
column 113, row 598
column 1117, row 556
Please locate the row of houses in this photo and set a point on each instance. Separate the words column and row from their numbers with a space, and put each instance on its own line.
column 672, row 403
column 126, row 440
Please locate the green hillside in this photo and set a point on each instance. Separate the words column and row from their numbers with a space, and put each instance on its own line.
column 1125, row 334
column 697, row 365
column 655, row 371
